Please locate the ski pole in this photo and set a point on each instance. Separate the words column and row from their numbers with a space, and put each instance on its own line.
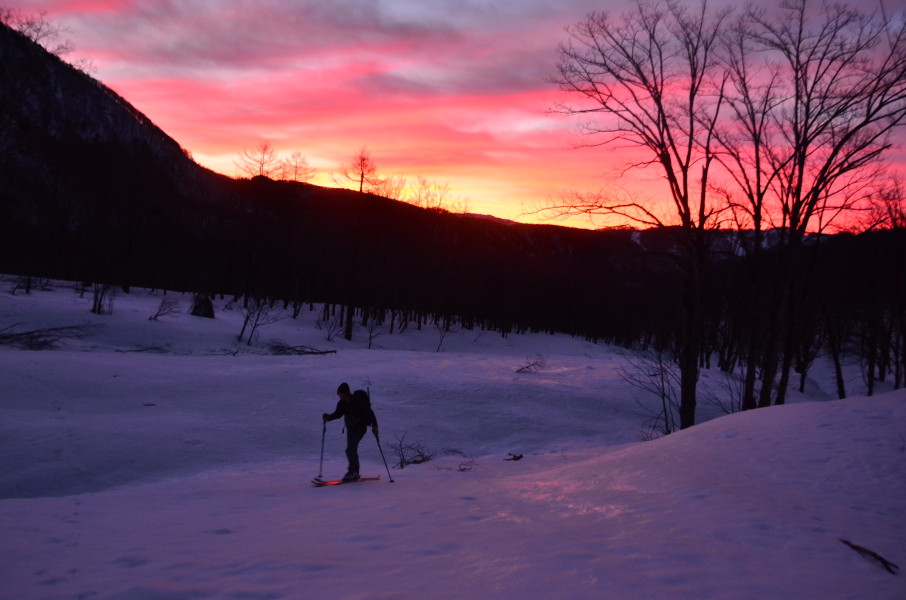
column 323, row 435
column 382, row 456
column 378, row 440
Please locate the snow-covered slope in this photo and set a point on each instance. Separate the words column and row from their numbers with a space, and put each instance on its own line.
column 159, row 459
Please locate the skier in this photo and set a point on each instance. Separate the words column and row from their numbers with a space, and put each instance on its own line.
column 358, row 416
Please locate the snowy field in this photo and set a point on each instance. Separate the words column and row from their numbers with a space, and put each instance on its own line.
column 162, row 460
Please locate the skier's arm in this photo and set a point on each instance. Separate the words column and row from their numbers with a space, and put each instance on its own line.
column 335, row 414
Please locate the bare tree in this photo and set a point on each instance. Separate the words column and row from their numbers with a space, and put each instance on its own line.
column 330, row 322
column 390, row 187
column 296, row 168
column 256, row 313
column 38, row 29
column 50, row 36
column 888, row 206
column 656, row 375
column 746, row 143
column 777, row 121
column 434, row 195
column 375, row 330
column 103, row 295
column 843, row 95
column 816, row 95
column 361, row 170
column 166, row 307
column 443, row 330
column 651, row 81
column 430, row 194
column 260, row 161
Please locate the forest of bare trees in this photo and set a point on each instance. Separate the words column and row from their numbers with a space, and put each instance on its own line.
column 772, row 121
column 264, row 161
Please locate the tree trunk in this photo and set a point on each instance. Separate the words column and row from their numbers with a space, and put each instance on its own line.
column 690, row 341
column 833, row 344
column 347, row 333
column 689, row 372
column 784, row 382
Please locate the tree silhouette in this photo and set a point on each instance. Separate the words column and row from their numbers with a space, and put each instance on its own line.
column 362, row 170
column 296, row 168
column 262, row 160
column 38, row 29
column 814, row 99
column 774, row 122
column 650, row 77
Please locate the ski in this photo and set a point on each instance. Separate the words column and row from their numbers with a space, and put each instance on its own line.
column 321, row 483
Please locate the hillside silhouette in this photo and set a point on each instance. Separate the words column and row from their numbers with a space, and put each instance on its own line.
column 94, row 191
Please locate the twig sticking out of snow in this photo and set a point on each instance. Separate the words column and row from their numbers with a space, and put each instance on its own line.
column 410, row 454
column 466, row 465
column 166, row 307
column 42, row 339
column 532, row 366
column 282, row 349
column 889, row 566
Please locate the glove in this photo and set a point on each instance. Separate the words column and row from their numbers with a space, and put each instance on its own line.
column 324, row 417
column 374, row 431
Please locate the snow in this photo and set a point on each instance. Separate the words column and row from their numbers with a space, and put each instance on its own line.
column 163, row 460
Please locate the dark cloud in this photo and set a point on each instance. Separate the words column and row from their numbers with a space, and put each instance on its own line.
column 471, row 44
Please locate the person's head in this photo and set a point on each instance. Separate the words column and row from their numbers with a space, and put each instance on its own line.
column 343, row 390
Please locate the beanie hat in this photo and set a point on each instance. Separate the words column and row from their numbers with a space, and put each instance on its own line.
column 343, row 389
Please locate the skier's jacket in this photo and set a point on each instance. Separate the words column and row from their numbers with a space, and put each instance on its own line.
column 356, row 412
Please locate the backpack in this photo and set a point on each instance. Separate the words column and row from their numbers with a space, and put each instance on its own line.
column 361, row 408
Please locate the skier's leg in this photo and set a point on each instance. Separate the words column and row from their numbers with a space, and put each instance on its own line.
column 352, row 455
column 353, row 437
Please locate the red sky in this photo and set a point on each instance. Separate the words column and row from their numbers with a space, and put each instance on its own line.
column 453, row 91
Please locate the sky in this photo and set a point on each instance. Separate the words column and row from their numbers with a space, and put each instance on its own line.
column 459, row 93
